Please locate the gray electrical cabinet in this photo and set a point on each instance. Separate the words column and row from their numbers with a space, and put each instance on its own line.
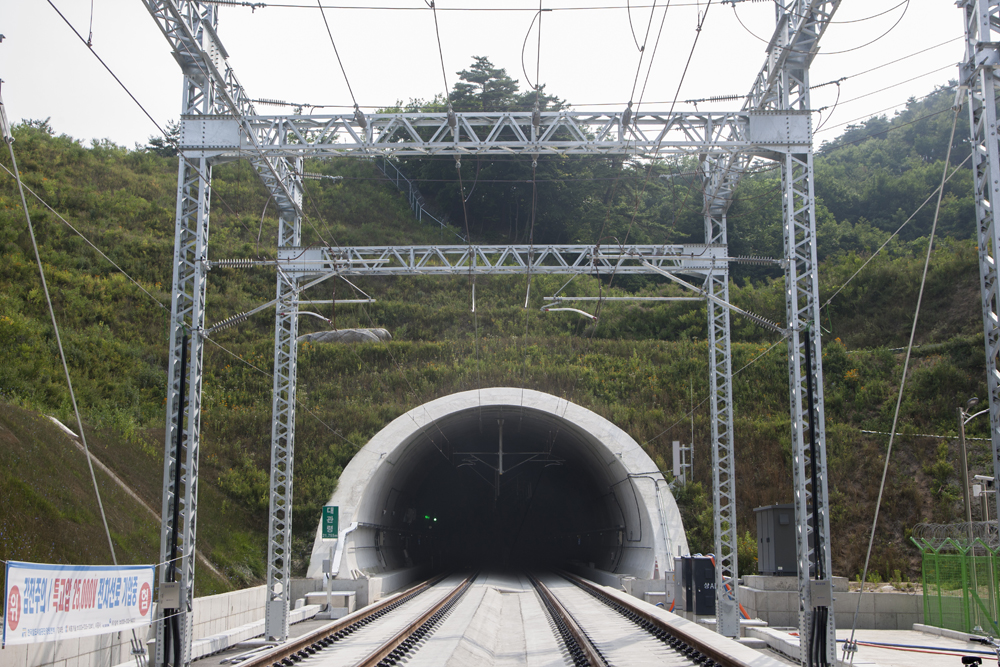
column 776, row 540
column 695, row 584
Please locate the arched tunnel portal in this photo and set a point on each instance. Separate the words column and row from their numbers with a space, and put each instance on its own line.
column 501, row 477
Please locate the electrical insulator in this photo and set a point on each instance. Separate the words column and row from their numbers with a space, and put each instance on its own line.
column 627, row 116
column 230, row 321
column 359, row 118
column 234, row 263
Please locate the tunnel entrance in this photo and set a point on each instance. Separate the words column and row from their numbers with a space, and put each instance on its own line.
column 501, row 478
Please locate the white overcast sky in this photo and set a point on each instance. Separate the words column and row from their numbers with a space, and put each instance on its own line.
column 588, row 55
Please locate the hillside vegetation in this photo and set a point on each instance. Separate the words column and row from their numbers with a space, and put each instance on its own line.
column 642, row 366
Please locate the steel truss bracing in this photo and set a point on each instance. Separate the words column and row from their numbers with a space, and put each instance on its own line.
column 187, row 316
column 501, row 260
column 781, row 87
column 721, row 404
column 557, row 133
column 219, row 123
column 792, row 49
column 211, row 89
column 979, row 73
column 286, row 330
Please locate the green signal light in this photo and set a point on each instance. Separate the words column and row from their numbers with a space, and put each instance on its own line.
column 427, row 516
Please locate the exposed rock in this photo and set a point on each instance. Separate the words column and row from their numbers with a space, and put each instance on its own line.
column 347, row 336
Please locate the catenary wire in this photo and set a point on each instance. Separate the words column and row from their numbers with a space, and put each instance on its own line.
column 337, row 53
column 898, row 230
column 900, row 83
column 649, row 170
column 890, row 108
column 437, row 33
column 88, row 242
column 110, row 71
column 8, row 139
column 906, row 365
column 841, row 287
column 588, row 105
column 828, row 53
column 163, row 306
column 165, row 134
column 153, row 120
column 285, row 5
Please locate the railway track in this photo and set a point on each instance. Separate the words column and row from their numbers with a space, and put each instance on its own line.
column 618, row 632
column 369, row 636
column 548, row 619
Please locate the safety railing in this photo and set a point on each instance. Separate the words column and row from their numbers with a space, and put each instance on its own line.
column 414, row 198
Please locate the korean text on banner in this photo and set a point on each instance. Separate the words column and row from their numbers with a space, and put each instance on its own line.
column 50, row 602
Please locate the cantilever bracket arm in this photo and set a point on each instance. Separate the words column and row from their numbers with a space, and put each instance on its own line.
column 228, row 322
column 756, row 319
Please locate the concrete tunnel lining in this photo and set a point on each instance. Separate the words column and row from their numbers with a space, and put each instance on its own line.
column 623, row 517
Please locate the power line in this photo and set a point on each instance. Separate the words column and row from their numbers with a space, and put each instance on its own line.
column 163, row 306
column 906, row 365
column 88, row 241
column 587, row 105
column 9, row 140
column 830, row 53
column 456, row 9
column 115, row 76
column 937, row 192
column 890, row 108
column 337, row 53
column 895, row 85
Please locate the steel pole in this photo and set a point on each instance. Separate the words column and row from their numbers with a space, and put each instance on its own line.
column 965, row 470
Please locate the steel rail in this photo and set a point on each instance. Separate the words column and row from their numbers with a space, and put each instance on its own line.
column 403, row 640
column 301, row 647
column 677, row 638
column 584, row 653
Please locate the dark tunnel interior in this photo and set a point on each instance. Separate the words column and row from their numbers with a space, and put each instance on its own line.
column 501, row 488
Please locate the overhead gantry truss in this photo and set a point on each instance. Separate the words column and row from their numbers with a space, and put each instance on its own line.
column 501, row 260
column 219, row 123
column 510, row 133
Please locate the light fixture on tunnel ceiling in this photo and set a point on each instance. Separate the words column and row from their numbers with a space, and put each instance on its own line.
column 548, row 309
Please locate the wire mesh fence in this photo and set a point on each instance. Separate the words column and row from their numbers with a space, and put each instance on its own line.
column 961, row 575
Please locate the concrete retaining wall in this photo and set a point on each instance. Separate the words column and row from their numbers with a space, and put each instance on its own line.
column 879, row 611
column 213, row 615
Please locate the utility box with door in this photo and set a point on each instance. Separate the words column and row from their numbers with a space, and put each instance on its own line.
column 694, row 585
column 776, row 540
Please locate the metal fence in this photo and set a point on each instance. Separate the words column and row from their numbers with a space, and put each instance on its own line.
column 413, row 196
column 961, row 575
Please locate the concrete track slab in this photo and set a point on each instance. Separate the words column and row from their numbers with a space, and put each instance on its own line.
column 499, row 622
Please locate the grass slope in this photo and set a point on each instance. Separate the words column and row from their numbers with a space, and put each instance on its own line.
column 638, row 366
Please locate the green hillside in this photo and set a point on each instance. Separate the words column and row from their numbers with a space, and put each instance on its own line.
column 641, row 366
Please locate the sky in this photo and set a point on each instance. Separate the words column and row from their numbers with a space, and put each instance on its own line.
column 588, row 56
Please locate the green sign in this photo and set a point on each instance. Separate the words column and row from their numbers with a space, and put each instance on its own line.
column 331, row 522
